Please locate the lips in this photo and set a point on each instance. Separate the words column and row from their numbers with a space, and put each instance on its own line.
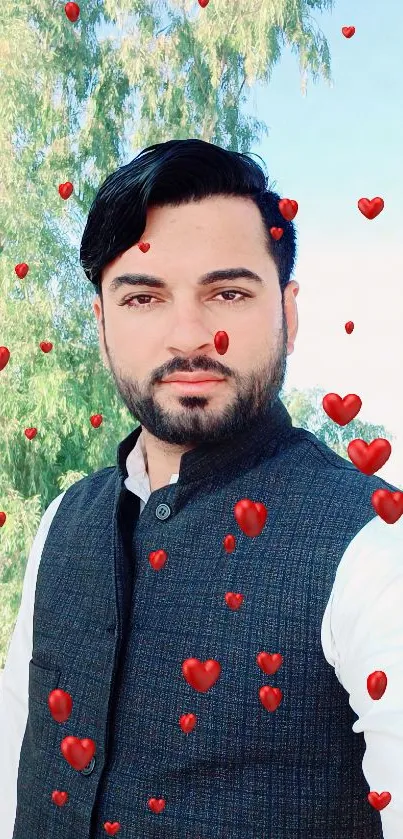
column 192, row 379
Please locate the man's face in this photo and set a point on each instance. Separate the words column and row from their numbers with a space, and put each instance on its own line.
column 142, row 345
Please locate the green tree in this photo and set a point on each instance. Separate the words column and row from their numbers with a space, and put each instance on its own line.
column 74, row 105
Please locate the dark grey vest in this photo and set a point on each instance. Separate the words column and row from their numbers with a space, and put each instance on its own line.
column 113, row 632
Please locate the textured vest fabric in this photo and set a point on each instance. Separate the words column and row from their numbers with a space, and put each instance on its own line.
column 113, row 632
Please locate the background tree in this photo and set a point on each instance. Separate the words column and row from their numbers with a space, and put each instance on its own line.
column 77, row 101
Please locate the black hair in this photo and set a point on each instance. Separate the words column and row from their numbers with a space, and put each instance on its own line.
column 174, row 173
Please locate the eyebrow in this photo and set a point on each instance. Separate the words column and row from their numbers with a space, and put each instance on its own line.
column 205, row 279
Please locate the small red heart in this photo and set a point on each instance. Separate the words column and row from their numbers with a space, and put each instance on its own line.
column 388, row 505
column 59, row 798
column 288, row 208
column 3, row 518
column 46, row 346
column 187, row 722
column 251, row 516
column 21, row 270
column 4, row 357
column 229, row 543
column 65, row 190
column 156, row 804
column 30, row 433
column 371, row 209
column 77, row 752
column 348, row 31
column 341, row 410
column 379, row 800
column 369, row 457
column 234, row 601
column 270, row 697
column 376, row 684
column 111, row 828
column 276, row 232
column 269, row 662
column 144, row 247
column 203, row 3
column 349, row 326
column 221, row 342
column 60, row 705
column 72, row 11
column 96, row 420
column 201, row 675
column 157, row 559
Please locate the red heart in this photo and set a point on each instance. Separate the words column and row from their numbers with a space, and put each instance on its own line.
column 2, row 518
column 46, row 346
column 349, row 326
column 60, row 705
column 96, row 420
column 72, row 11
column 388, row 505
column 21, row 270
column 111, row 828
column 221, row 342
column 201, row 675
column 251, row 516
column 187, row 722
column 77, row 752
column 157, row 559
column 379, row 800
column 59, row 798
column 144, row 247
column 156, row 804
column 4, row 357
column 341, row 410
column 229, row 543
column 276, row 232
column 348, row 31
column 270, row 697
column 376, row 684
column 369, row 457
column 203, row 3
column 269, row 662
column 30, row 433
column 65, row 190
column 234, row 601
column 371, row 209
column 288, row 208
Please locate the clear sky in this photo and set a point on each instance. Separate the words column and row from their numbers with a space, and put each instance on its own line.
column 326, row 150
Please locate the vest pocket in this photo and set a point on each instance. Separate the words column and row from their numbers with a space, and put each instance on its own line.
column 41, row 682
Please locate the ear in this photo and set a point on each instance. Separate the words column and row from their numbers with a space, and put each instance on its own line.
column 291, row 313
column 101, row 332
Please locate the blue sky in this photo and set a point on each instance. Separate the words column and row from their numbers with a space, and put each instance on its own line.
column 326, row 150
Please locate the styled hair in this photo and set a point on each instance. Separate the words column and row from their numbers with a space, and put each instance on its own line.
column 174, row 173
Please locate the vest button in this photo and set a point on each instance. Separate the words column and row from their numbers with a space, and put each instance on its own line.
column 163, row 511
column 88, row 769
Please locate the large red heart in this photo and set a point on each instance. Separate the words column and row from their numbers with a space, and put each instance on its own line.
column 78, row 753
column 371, row 209
column 111, row 828
column 379, row 800
column 251, row 516
column 201, row 675
column 369, row 457
column 341, row 410
column 60, row 705
column 65, row 190
column 388, row 505
column 156, row 804
column 4, row 357
column 269, row 662
column 59, row 798
column 270, row 697
column 376, row 684
column 21, row 270
column 288, row 208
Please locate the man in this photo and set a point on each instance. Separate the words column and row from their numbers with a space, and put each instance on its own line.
column 212, row 606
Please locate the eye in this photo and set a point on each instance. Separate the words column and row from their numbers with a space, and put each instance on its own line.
column 138, row 297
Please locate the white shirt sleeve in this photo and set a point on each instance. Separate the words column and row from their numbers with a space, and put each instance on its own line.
column 362, row 631
column 14, row 687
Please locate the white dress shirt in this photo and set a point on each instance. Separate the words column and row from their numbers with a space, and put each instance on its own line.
column 362, row 631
